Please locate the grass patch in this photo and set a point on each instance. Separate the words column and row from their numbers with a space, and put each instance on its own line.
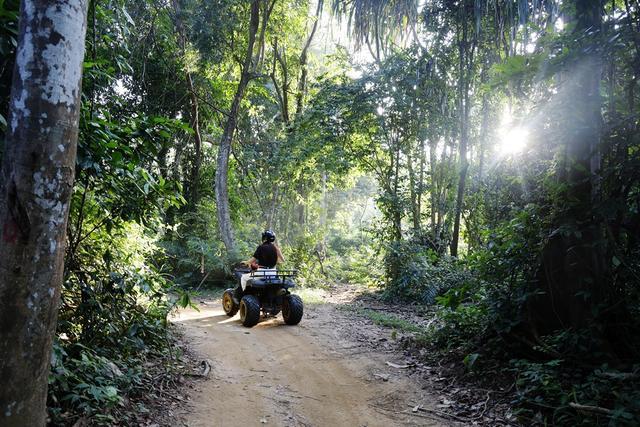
column 209, row 293
column 385, row 319
column 311, row 296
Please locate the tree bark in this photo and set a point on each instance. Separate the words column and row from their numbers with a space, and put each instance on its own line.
column 302, row 81
column 484, row 132
column 466, row 61
column 283, row 95
column 224, row 151
column 197, row 142
column 397, row 209
column 421, row 187
column 573, row 270
column 195, row 111
column 37, row 178
column 413, row 194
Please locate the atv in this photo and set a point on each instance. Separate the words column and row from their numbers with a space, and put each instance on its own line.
column 267, row 292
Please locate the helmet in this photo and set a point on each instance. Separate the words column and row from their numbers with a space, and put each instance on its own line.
column 268, row 236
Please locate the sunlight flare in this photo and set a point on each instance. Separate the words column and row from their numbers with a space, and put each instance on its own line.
column 513, row 140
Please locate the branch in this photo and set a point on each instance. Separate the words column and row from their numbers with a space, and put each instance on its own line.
column 592, row 409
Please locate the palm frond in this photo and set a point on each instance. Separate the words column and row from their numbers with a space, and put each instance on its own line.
column 379, row 20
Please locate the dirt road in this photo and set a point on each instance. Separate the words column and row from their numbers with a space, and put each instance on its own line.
column 313, row 374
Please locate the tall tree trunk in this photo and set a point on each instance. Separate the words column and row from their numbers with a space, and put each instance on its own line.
column 415, row 210
column 302, row 81
column 301, row 92
column 283, row 95
column 397, row 210
column 324, row 204
column 573, row 270
column 420, row 188
column 463, row 109
column 433, row 146
column 484, row 132
column 37, row 179
column 224, row 151
column 195, row 110
column 197, row 141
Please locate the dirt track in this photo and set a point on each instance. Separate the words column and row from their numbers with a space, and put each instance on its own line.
column 313, row 374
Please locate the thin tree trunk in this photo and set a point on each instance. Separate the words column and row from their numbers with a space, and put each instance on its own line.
column 197, row 141
column 434, row 187
column 324, row 205
column 466, row 68
column 283, row 95
column 268, row 8
column 484, row 131
column 415, row 212
column 420, row 188
column 37, row 179
column 397, row 212
column 463, row 96
column 302, row 81
column 224, row 151
column 195, row 111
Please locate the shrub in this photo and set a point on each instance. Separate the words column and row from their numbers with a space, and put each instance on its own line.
column 420, row 274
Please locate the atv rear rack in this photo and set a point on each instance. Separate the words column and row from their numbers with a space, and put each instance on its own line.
column 280, row 274
column 267, row 275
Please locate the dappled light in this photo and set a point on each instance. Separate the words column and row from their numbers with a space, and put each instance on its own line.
column 407, row 211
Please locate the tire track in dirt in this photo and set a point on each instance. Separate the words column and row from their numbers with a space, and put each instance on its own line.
column 305, row 375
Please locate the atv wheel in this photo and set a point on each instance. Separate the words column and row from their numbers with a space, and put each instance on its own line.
column 228, row 305
column 249, row 310
column 292, row 309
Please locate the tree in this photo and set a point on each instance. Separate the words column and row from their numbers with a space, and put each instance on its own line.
column 195, row 109
column 466, row 50
column 573, row 269
column 37, row 179
column 224, row 152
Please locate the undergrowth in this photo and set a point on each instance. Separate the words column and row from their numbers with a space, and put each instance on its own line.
column 564, row 378
column 385, row 319
column 570, row 377
column 114, row 348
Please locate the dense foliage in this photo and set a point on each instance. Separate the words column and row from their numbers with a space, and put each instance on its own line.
column 481, row 156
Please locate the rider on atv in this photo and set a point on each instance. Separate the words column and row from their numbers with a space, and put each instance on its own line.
column 264, row 259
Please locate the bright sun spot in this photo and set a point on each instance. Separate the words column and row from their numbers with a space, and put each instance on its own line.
column 513, row 140
column 512, row 137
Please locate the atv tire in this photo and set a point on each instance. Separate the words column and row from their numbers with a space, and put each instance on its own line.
column 249, row 310
column 292, row 309
column 228, row 304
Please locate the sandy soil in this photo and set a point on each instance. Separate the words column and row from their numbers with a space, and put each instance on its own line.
column 315, row 374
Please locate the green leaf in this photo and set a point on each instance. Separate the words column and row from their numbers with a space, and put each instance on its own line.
column 185, row 300
column 470, row 360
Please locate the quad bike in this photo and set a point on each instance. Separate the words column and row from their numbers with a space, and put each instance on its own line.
column 267, row 293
